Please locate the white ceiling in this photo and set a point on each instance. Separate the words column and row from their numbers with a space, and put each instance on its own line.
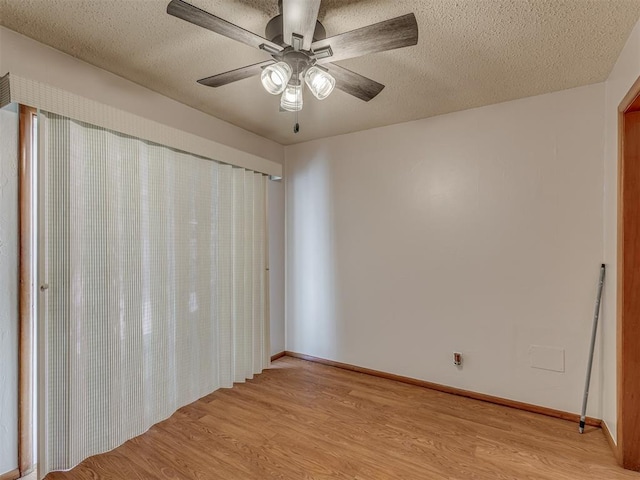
column 470, row 53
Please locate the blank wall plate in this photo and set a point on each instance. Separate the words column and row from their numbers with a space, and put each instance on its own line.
column 547, row 358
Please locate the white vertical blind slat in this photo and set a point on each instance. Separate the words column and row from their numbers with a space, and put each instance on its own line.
column 259, row 268
column 248, row 272
column 238, row 257
column 226, row 346
column 156, row 267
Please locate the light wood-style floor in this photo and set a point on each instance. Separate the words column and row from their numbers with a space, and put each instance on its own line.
column 301, row 420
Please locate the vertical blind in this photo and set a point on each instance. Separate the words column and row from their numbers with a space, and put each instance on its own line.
column 155, row 263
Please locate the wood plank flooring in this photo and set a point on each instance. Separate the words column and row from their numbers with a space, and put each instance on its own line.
column 301, row 420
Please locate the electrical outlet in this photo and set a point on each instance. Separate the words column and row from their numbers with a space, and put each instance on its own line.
column 457, row 359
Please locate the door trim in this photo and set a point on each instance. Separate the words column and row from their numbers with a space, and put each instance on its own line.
column 26, row 371
column 628, row 311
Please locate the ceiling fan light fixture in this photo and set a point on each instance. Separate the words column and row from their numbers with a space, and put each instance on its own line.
column 275, row 77
column 291, row 99
column 297, row 42
column 320, row 83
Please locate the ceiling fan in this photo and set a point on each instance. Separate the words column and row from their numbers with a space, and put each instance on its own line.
column 301, row 52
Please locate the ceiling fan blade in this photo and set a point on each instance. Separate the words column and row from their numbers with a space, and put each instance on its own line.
column 394, row 33
column 192, row 14
column 353, row 83
column 234, row 75
column 299, row 17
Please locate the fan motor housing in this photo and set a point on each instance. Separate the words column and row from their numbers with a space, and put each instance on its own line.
column 298, row 61
column 273, row 31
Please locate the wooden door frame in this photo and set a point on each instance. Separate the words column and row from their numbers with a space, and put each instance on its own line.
column 26, row 367
column 628, row 309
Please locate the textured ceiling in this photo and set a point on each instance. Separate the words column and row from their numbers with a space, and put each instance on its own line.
column 470, row 53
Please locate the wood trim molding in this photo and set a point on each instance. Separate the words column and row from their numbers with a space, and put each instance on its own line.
column 628, row 262
column 277, row 356
column 550, row 412
column 607, row 434
column 12, row 475
column 629, row 102
column 26, row 369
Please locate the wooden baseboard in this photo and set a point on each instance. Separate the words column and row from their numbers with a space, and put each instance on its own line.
column 12, row 475
column 273, row 359
column 610, row 440
column 550, row 412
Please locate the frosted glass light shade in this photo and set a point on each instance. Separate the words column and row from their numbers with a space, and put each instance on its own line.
column 292, row 98
column 275, row 77
column 319, row 82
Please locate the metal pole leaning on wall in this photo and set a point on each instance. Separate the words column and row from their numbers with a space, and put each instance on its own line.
column 594, row 331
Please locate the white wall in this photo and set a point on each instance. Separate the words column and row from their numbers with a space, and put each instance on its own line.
column 276, row 264
column 478, row 231
column 25, row 57
column 625, row 72
column 8, row 289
